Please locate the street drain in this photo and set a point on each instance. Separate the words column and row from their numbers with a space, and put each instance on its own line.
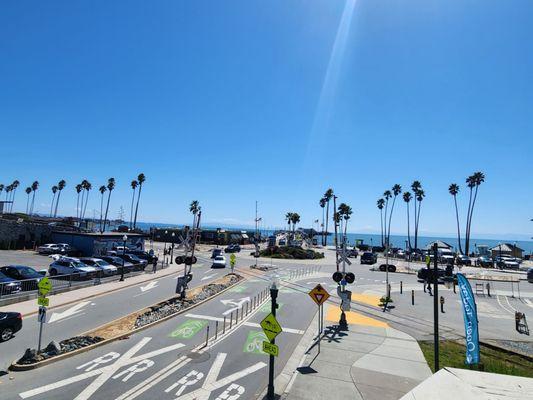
column 198, row 358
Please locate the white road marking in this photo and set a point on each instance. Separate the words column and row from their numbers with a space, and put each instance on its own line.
column 501, row 305
column 528, row 302
column 99, row 371
column 247, row 323
column 237, row 303
column 150, row 286
column 184, row 382
column 208, row 277
column 507, row 300
column 57, row 316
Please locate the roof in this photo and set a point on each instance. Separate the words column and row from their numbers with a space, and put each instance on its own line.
column 101, row 235
column 506, row 247
column 440, row 245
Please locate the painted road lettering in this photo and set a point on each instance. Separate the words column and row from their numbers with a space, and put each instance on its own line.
column 190, row 379
column 100, row 360
column 141, row 366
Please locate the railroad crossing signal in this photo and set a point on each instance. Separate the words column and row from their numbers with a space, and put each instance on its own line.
column 271, row 326
column 343, row 255
column 270, row 348
column 44, row 286
column 319, row 294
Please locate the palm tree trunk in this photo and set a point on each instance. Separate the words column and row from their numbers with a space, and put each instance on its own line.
column 131, row 209
column 467, row 230
column 32, row 202
column 467, row 247
column 52, row 206
column 381, row 218
column 408, row 228
column 78, row 206
column 323, row 213
column 106, row 210
column 57, row 202
column 27, row 204
column 417, row 221
column 327, row 218
column 416, row 224
column 385, row 225
column 101, row 211
column 458, row 226
column 12, row 200
column 86, row 201
column 137, row 206
column 390, row 215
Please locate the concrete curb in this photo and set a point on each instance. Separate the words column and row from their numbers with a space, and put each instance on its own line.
column 99, row 294
column 26, row 367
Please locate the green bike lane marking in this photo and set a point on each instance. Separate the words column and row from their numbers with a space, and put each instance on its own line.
column 254, row 342
column 188, row 329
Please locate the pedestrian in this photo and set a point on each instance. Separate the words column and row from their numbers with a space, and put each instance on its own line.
column 154, row 265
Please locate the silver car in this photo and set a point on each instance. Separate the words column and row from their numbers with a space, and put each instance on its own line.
column 71, row 266
column 101, row 265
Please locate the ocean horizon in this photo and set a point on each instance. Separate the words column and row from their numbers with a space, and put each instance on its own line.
column 373, row 239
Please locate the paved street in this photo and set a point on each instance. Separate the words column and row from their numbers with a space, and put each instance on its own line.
column 168, row 360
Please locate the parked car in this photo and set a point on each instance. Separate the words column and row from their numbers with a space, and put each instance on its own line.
column 10, row 323
column 232, row 248
column 102, row 266
column 530, row 275
column 8, row 285
column 71, row 266
column 138, row 263
column 219, row 262
column 51, row 248
column 369, row 258
column 485, row 262
column 353, row 253
column 507, row 263
column 216, row 252
column 390, row 267
column 423, row 274
column 119, row 262
column 143, row 255
column 29, row 277
column 462, row 259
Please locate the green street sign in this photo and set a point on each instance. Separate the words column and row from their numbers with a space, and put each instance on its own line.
column 271, row 348
column 271, row 327
column 43, row 301
column 44, row 286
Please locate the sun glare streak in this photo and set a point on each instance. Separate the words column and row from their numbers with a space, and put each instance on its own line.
column 321, row 122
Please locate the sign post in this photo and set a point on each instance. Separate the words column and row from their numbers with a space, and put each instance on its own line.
column 272, row 328
column 44, row 287
column 319, row 295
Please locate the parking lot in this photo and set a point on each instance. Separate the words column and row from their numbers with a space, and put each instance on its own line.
column 24, row 257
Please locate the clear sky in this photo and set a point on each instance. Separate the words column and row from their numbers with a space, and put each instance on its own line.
column 229, row 102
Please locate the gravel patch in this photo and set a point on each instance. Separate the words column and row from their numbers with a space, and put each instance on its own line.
column 53, row 349
column 522, row 347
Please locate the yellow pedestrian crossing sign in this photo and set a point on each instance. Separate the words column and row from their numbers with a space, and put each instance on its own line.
column 44, row 286
column 271, row 348
column 271, row 326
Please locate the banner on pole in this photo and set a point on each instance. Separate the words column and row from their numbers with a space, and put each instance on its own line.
column 470, row 319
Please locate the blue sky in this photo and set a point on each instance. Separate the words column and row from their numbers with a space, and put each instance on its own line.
column 229, row 102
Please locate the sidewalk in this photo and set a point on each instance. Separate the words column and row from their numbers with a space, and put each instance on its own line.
column 369, row 361
column 30, row 307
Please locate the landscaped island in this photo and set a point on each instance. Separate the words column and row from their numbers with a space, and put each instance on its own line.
column 291, row 253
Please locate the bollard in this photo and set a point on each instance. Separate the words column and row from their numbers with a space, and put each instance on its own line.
column 454, row 287
column 207, row 335
column 388, row 291
column 224, row 327
column 488, row 289
column 236, row 316
column 401, row 287
column 231, row 319
column 216, row 330
column 412, row 297
column 442, row 304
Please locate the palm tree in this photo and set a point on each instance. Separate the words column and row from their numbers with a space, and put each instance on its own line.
column 28, row 191
column 54, row 191
column 454, row 189
column 419, row 197
column 288, row 217
column 102, row 190
column 344, row 212
column 78, row 188
column 295, row 218
column 415, row 187
column 387, row 194
column 14, row 186
column 141, row 178
column 407, row 197
column 134, row 184
column 83, row 186
column 60, row 186
column 110, row 187
column 473, row 181
column 88, row 186
column 8, row 194
column 328, row 195
column 34, row 187
column 323, row 205
column 396, row 190
column 381, row 203
column 1, row 190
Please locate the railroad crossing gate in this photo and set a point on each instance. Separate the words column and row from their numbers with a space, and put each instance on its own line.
column 271, row 326
column 319, row 294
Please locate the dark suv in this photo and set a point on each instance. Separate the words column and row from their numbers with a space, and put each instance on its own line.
column 10, row 322
column 232, row 248
column 369, row 258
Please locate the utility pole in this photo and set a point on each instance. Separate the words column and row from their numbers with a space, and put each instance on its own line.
column 274, row 306
column 436, row 305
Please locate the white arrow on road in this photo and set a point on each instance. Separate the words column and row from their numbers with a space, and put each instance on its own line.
column 151, row 285
column 57, row 316
column 208, row 277
column 237, row 303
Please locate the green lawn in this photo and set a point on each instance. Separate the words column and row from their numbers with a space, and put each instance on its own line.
column 452, row 354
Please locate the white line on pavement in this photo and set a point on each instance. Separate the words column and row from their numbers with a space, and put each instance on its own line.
column 247, row 323
column 501, row 305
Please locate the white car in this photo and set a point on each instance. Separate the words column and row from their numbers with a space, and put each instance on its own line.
column 219, row 262
column 52, row 248
column 68, row 266
column 106, row 268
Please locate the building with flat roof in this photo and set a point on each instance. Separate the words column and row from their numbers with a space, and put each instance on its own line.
column 95, row 243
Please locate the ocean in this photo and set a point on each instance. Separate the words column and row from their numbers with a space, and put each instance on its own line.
column 396, row 240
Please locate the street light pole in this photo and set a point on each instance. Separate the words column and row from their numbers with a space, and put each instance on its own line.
column 124, row 238
column 274, row 306
column 172, row 249
column 165, row 250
